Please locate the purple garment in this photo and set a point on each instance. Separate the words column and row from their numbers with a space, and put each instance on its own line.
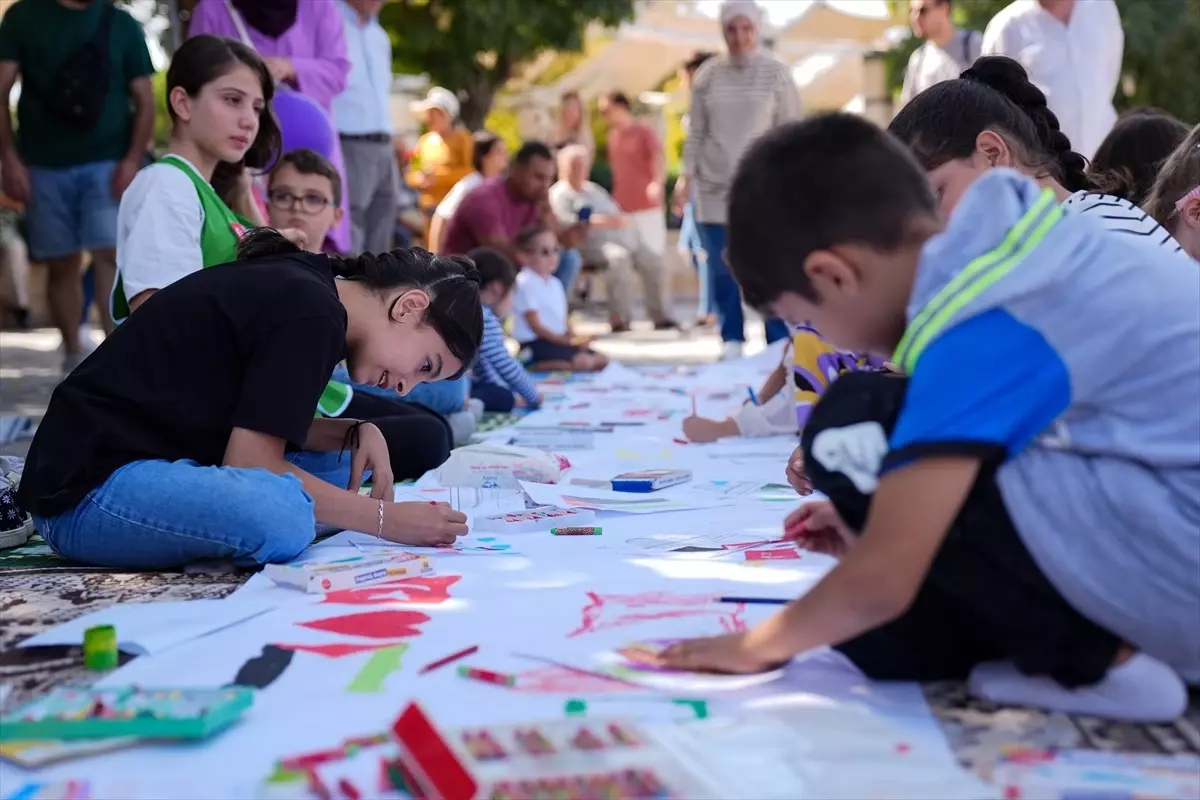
column 304, row 124
column 316, row 46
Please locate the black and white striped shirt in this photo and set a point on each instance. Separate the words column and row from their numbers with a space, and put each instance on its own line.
column 1121, row 216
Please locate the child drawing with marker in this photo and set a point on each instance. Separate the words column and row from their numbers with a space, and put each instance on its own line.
column 813, row 364
column 1019, row 508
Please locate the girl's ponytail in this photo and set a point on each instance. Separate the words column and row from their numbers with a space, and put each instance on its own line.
column 261, row 242
column 1009, row 78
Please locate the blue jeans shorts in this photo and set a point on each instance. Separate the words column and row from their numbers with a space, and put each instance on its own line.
column 71, row 210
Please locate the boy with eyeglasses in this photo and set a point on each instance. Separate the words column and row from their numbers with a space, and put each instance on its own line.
column 305, row 194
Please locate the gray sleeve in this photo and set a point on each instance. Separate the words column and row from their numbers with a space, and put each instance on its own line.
column 787, row 97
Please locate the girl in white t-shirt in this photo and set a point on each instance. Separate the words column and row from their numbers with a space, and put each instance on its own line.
column 993, row 116
column 172, row 222
column 540, row 321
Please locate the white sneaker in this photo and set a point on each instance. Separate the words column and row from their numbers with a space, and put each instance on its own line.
column 732, row 351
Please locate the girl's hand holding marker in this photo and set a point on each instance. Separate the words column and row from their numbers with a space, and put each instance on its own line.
column 424, row 524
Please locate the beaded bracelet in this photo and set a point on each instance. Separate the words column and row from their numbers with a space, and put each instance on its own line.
column 379, row 530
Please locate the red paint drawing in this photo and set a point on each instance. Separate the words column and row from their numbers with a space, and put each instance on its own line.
column 791, row 554
column 556, row 680
column 391, row 624
column 429, row 590
column 607, row 611
column 335, row 650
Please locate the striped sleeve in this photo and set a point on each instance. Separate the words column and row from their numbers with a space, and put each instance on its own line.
column 495, row 355
column 1121, row 216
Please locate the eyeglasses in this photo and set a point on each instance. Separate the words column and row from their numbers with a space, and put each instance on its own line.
column 546, row 251
column 310, row 203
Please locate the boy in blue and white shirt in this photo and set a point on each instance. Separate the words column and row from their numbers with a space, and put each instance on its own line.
column 1021, row 508
column 497, row 378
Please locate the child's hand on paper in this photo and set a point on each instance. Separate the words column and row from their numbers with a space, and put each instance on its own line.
column 734, row 653
column 702, row 429
column 818, row 528
column 796, row 475
column 425, row 524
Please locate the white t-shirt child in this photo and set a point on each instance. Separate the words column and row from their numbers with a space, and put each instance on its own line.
column 543, row 294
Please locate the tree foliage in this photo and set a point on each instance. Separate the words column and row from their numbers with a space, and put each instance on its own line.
column 1161, row 65
column 473, row 47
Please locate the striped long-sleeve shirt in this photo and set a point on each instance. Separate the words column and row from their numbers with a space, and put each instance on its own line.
column 732, row 104
column 495, row 365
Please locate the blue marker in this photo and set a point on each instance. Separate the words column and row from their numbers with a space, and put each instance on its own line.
column 753, row 398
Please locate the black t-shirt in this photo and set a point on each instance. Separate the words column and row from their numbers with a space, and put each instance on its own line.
column 249, row 345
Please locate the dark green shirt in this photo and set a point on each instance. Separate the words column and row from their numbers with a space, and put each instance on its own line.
column 39, row 35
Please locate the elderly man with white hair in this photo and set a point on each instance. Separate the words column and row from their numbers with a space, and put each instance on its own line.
column 735, row 98
column 611, row 241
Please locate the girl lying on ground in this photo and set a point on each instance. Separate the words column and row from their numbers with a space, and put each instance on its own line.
column 185, row 436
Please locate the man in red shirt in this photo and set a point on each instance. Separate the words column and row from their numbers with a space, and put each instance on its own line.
column 636, row 156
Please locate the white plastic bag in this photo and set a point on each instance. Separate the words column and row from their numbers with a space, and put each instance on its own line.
column 500, row 466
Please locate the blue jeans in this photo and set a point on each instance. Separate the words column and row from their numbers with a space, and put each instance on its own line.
column 71, row 210
column 725, row 293
column 689, row 240
column 570, row 263
column 165, row 514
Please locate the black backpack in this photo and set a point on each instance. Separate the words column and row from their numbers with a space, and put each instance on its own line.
column 76, row 93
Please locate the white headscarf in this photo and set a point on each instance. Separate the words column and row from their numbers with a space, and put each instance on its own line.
column 732, row 9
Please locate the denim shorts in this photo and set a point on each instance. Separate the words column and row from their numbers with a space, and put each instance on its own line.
column 71, row 210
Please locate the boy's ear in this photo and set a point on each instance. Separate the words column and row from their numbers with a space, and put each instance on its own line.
column 831, row 274
column 338, row 213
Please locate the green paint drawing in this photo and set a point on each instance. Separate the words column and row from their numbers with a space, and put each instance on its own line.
column 379, row 666
column 699, row 707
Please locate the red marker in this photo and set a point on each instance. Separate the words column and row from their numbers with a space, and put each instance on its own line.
column 487, row 676
column 680, row 441
column 441, row 662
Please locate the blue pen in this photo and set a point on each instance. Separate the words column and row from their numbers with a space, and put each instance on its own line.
column 753, row 398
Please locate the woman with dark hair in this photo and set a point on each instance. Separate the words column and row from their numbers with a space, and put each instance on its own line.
column 490, row 159
column 1128, row 160
column 303, row 44
column 993, row 116
column 186, row 436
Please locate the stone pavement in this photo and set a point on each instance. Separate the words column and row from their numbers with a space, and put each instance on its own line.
column 31, row 363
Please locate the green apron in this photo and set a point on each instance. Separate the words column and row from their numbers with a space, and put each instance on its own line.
column 218, row 245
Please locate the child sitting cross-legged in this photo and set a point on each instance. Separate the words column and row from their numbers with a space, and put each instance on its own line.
column 1020, row 508
column 498, row 379
column 541, row 324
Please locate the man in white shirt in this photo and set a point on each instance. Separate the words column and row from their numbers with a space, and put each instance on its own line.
column 612, row 241
column 1072, row 52
column 947, row 50
column 364, row 125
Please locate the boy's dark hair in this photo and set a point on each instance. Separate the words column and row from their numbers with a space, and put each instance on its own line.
column 619, row 98
column 1128, row 160
column 812, row 185
column 1180, row 174
column 201, row 60
column 494, row 267
column 310, row 162
column 525, row 238
column 484, row 142
column 531, row 150
column 452, row 282
column 941, row 123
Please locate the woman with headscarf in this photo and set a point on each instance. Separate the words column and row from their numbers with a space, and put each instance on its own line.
column 735, row 98
column 304, row 46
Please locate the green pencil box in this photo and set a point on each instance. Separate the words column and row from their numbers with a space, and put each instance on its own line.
column 77, row 713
